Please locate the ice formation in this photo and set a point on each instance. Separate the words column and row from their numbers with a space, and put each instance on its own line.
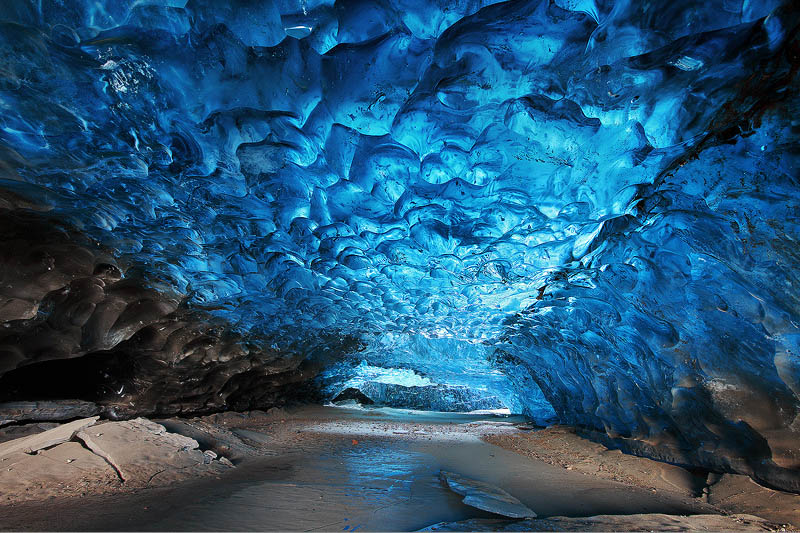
column 594, row 202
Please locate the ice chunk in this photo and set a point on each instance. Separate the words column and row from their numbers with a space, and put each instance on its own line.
column 486, row 496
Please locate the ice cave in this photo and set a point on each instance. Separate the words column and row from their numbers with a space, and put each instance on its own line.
column 399, row 264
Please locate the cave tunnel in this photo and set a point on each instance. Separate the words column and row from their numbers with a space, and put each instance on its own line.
column 574, row 216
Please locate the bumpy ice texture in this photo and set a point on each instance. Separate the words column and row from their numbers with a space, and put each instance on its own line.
column 602, row 193
column 444, row 374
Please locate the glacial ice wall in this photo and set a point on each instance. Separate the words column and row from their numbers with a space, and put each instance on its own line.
column 603, row 193
column 462, row 372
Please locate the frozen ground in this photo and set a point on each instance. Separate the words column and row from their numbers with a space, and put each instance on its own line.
column 345, row 469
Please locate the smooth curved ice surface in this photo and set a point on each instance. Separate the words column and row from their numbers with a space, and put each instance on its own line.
column 602, row 194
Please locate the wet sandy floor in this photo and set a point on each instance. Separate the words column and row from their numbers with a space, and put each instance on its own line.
column 388, row 480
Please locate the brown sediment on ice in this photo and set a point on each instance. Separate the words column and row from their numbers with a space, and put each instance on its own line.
column 561, row 446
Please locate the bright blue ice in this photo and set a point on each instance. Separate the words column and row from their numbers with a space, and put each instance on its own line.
column 416, row 361
column 395, row 376
column 596, row 199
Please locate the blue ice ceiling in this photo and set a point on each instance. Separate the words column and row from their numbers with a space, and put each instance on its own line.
column 604, row 194
column 405, row 167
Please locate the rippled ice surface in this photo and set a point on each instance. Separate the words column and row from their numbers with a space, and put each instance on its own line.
column 603, row 194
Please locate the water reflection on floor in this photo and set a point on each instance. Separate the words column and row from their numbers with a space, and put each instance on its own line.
column 364, row 471
column 368, row 486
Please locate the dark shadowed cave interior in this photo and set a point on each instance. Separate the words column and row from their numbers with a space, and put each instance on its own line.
column 574, row 220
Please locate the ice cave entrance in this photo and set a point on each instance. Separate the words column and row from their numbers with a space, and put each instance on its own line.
column 419, row 373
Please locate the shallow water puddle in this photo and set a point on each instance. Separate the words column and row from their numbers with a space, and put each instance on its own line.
column 392, row 484
column 370, row 486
